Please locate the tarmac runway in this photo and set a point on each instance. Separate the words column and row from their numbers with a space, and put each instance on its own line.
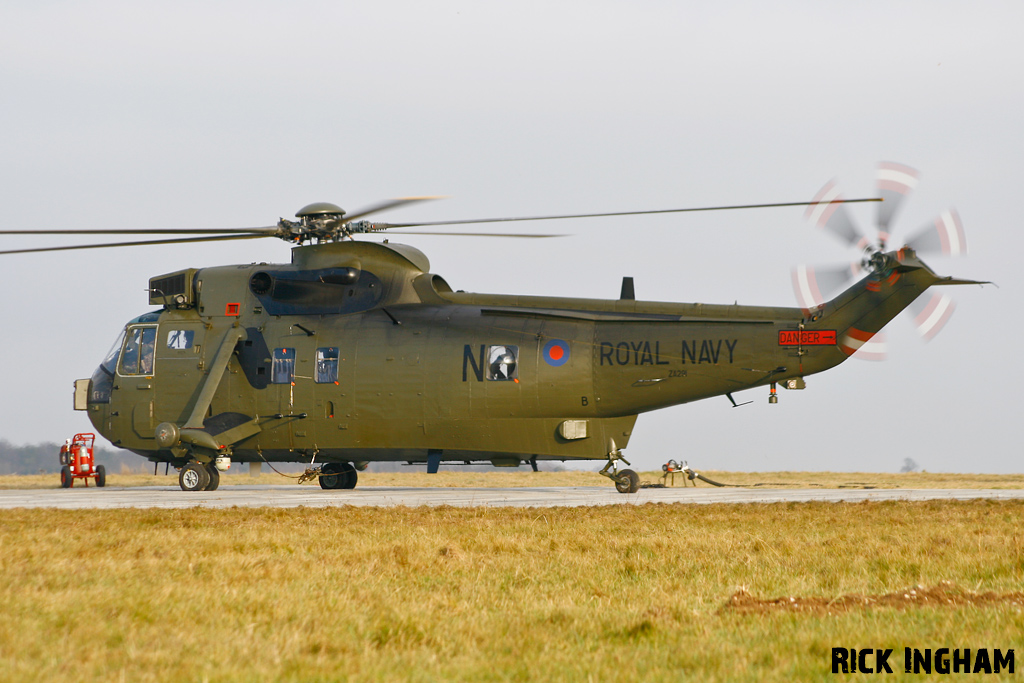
column 388, row 496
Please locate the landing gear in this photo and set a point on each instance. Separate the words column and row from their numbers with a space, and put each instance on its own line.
column 331, row 477
column 194, row 477
column 338, row 475
column 351, row 476
column 626, row 481
column 214, row 474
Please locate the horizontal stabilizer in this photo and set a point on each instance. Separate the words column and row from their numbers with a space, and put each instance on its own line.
column 961, row 281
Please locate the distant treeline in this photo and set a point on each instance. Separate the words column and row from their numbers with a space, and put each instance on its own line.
column 43, row 458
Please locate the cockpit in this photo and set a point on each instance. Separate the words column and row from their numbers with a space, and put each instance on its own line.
column 132, row 354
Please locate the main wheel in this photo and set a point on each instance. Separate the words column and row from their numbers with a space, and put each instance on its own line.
column 66, row 479
column 349, row 476
column 332, row 477
column 193, row 477
column 628, row 482
column 101, row 475
column 214, row 474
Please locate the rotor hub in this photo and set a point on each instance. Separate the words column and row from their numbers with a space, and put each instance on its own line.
column 320, row 209
column 320, row 222
column 877, row 261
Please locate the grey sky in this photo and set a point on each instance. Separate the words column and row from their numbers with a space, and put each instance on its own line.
column 232, row 114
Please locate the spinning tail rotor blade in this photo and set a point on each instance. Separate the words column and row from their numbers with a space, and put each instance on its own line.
column 863, row 345
column 828, row 212
column 895, row 181
column 930, row 317
column 813, row 286
column 945, row 235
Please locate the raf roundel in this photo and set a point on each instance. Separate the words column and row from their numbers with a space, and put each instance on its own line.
column 556, row 353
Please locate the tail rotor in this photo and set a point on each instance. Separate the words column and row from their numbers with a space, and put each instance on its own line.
column 813, row 285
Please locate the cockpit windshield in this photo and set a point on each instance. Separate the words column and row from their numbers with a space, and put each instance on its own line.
column 110, row 360
column 103, row 378
column 138, row 355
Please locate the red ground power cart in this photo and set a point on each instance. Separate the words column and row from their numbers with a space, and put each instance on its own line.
column 77, row 462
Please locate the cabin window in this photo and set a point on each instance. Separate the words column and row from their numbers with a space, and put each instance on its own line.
column 283, row 370
column 327, row 365
column 137, row 358
column 503, row 363
column 180, row 339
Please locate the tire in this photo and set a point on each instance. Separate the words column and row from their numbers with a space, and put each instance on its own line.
column 349, row 476
column 628, row 482
column 332, row 477
column 193, row 477
column 214, row 475
column 65, row 477
column 101, row 475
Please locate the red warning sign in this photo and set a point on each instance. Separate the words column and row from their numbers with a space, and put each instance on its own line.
column 807, row 337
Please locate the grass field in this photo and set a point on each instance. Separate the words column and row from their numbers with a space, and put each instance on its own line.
column 523, row 477
column 631, row 593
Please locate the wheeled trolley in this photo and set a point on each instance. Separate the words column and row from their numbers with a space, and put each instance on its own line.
column 76, row 459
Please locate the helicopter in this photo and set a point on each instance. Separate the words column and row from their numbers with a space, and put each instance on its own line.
column 356, row 352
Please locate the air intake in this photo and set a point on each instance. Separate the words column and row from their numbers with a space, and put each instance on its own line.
column 173, row 290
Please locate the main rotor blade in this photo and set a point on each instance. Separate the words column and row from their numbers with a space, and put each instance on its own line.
column 895, row 181
column 387, row 204
column 136, row 244
column 268, row 230
column 480, row 234
column 827, row 212
column 618, row 213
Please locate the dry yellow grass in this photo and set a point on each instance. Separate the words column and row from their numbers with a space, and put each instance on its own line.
column 622, row 593
column 522, row 477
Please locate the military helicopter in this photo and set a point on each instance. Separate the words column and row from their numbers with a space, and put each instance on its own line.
column 355, row 352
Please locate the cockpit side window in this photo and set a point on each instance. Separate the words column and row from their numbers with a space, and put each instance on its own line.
column 283, row 369
column 139, row 348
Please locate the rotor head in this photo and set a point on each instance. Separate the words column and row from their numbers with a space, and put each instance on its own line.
column 320, row 209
